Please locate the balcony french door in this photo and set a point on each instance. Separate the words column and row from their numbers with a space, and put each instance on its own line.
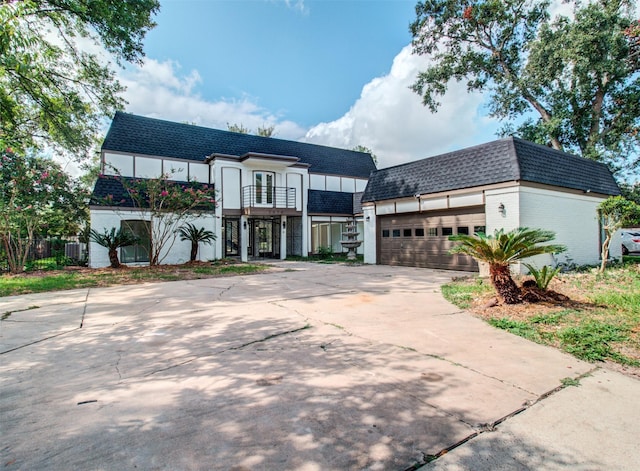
column 263, row 187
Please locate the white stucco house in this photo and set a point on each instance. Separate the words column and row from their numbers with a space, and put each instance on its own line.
column 275, row 197
column 410, row 210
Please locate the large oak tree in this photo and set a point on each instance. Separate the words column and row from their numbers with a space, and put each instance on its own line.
column 53, row 91
column 569, row 82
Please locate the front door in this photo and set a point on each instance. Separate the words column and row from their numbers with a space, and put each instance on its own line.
column 265, row 238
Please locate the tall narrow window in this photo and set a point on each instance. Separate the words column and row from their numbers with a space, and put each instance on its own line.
column 258, row 182
column 140, row 251
column 264, row 188
column 269, row 189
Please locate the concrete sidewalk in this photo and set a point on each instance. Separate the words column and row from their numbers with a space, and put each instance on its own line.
column 309, row 367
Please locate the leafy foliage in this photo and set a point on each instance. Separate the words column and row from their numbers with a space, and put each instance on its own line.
column 168, row 204
column 195, row 235
column 501, row 250
column 544, row 275
column 615, row 212
column 575, row 81
column 366, row 150
column 51, row 90
column 239, row 128
column 112, row 240
column 36, row 198
column 264, row 131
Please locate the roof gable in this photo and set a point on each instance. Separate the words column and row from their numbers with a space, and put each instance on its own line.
column 148, row 136
column 504, row 160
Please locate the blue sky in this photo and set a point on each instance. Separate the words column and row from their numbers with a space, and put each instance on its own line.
column 333, row 72
column 307, row 61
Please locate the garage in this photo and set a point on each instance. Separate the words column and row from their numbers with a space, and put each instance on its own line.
column 422, row 239
column 411, row 210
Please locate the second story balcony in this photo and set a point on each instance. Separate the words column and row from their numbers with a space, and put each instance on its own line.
column 264, row 199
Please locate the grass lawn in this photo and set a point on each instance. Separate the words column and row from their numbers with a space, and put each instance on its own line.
column 600, row 322
column 36, row 282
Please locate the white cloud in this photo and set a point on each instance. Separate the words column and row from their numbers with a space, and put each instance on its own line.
column 297, row 5
column 390, row 119
column 160, row 90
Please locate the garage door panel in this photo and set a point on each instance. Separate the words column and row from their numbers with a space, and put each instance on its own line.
column 429, row 245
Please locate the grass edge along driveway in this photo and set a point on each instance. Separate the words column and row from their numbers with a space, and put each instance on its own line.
column 600, row 323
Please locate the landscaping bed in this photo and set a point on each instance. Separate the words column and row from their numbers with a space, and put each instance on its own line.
column 596, row 319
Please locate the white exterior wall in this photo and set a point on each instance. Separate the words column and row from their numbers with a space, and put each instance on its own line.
column 508, row 219
column 574, row 219
column 369, row 234
column 102, row 219
column 230, row 177
column 572, row 216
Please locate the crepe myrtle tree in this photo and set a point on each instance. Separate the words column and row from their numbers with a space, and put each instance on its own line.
column 615, row 212
column 168, row 205
column 36, row 198
column 503, row 249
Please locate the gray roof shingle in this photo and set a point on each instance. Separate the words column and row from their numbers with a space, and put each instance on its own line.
column 110, row 191
column 140, row 135
column 330, row 202
column 504, row 160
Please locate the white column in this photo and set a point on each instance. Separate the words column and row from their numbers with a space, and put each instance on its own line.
column 218, row 253
column 370, row 250
column 244, row 238
column 283, row 237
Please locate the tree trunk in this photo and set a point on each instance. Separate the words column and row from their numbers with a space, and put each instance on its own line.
column 605, row 251
column 113, row 258
column 194, row 250
column 504, row 284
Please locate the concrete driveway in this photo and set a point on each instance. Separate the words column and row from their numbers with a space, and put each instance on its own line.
column 308, row 367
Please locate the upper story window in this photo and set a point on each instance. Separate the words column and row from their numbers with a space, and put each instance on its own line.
column 264, row 183
column 152, row 167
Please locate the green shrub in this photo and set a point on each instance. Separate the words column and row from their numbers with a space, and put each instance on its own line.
column 324, row 251
column 543, row 276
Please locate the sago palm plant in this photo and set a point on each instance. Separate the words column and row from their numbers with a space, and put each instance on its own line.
column 501, row 250
column 112, row 240
column 195, row 235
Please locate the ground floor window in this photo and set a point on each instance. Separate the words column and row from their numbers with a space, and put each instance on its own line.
column 140, row 251
column 231, row 237
column 327, row 233
column 294, row 235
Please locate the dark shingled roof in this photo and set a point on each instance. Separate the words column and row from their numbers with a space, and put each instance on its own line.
column 330, row 202
column 140, row 135
column 109, row 191
column 504, row 160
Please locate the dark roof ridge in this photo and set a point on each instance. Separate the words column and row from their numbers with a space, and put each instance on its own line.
column 141, row 135
column 233, row 133
column 550, row 149
column 453, row 152
column 498, row 161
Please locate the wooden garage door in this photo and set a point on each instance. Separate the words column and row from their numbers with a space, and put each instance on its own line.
column 422, row 239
